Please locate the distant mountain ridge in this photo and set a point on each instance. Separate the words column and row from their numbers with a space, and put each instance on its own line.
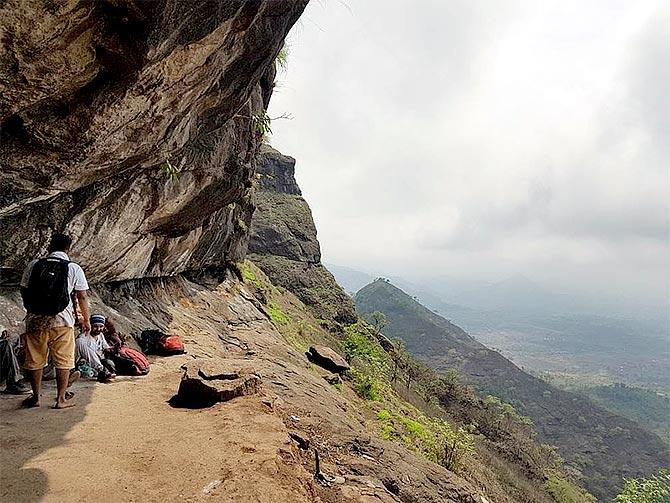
column 602, row 446
column 633, row 350
column 349, row 279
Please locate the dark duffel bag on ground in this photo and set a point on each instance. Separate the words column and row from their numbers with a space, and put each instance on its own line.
column 130, row 362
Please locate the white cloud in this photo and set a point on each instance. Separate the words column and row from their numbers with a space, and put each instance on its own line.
column 485, row 136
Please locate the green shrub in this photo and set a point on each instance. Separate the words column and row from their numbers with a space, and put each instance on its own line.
column 435, row 439
column 366, row 385
column 261, row 122
column 385, row 418
column 277, row 315
column 358, row 344
column 171, row 171
column 654, row 489
column 384, row 415
column 282, row 58
column 564, row 491
column 248, row 275
column 414, row 427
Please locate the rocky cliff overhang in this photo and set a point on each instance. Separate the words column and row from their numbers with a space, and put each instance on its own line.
column 102, row 102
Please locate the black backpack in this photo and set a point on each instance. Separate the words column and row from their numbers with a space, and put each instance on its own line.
column 150, row 341
column 47, row 291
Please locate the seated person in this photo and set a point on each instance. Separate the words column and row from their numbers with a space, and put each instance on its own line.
column 111, row 335
column 10, row 371
column 92, row 350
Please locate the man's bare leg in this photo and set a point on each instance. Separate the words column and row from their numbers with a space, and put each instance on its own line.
column 35, row 377
column 62, row 380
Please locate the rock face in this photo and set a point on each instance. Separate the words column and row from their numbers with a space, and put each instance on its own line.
column 102, row 102
column 207, row 382
column 283, row 241
column 327, row 358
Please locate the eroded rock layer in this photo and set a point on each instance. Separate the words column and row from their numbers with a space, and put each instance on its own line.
column 283, row 241
column 132, row 126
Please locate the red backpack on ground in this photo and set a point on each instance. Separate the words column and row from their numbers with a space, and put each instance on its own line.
column 170, row 345
column 155, row 342
column 129, row 361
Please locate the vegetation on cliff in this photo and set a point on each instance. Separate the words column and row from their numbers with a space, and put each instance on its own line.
column 600, row 447
column 404, row 401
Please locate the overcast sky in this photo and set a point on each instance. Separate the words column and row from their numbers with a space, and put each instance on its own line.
column 485, row 138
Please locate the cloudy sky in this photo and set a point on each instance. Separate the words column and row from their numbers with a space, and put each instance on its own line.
column 481, row 139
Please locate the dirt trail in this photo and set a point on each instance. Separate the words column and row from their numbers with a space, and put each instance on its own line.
column 124, row 442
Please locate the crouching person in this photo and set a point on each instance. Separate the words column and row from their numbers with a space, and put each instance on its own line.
column 94, row 352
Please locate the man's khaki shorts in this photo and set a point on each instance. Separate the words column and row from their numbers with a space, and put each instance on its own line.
column 57, row 341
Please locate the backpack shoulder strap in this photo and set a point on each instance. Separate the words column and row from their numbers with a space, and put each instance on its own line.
column 56, row 258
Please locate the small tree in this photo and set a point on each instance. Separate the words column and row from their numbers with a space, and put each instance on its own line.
column 411, row 368
column 450, row 379
column 457, row 443
column 378, row 320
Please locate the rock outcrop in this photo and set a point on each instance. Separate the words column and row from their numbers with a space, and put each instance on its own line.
column 326, row 357
column 132, row 126
column 283, row 241
column 207, row 381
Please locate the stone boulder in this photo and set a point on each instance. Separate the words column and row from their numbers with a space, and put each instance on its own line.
column 385, row 342
column 327, row 358
column 207, row 382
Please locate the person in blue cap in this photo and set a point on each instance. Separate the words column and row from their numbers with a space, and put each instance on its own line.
column 93, row 349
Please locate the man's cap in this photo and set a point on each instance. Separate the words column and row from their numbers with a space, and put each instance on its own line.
column 98, row 318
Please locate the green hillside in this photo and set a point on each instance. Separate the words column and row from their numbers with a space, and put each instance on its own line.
column 601, row 446
column 649, row 408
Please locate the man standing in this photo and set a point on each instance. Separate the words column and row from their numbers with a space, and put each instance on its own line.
column 47, row 287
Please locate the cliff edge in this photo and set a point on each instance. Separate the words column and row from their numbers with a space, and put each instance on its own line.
column 283, row 241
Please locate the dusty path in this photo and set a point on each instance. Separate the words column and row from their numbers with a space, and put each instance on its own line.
column 124, row 442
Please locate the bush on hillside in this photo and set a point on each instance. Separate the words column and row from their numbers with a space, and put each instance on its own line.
column 366, row 385
column 434, row 438
column 564, row 491
column 654, row 489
